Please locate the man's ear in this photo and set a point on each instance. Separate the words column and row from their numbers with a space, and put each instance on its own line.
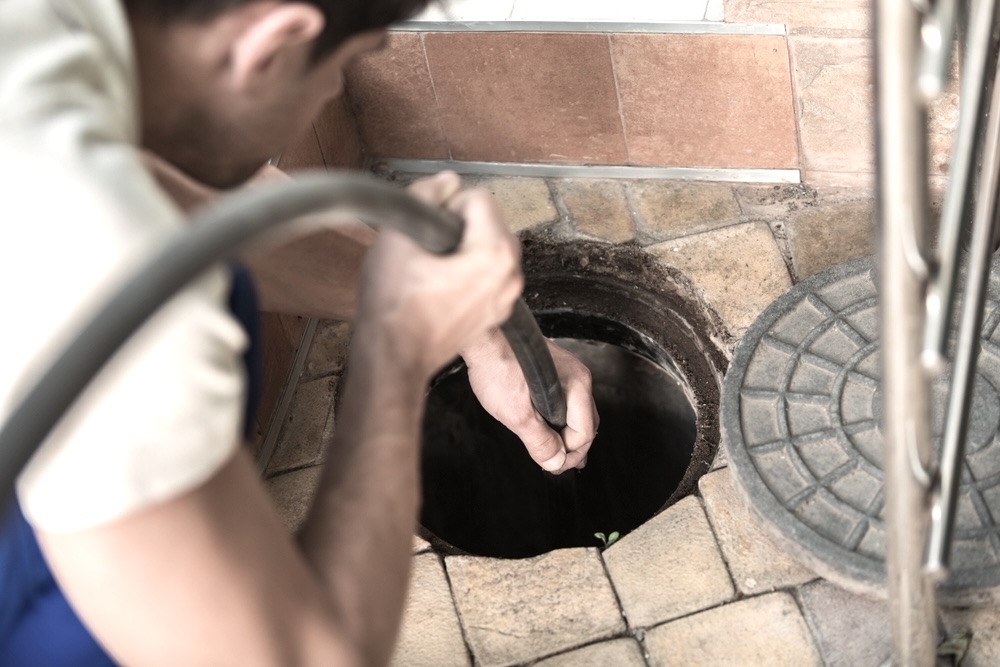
column 268, row 35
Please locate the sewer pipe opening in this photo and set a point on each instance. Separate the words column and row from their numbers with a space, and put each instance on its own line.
column 654, row 354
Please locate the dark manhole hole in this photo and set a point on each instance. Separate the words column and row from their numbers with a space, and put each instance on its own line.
column 654, row 352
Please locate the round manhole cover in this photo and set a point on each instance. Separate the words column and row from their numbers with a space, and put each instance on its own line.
column 801, row 413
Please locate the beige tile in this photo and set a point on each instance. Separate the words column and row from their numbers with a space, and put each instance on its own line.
column 774, row 202
column 669, row 209
column 430, row 634
column 831, row 233
column 527, row 97
column 624, row 652
column 833, row 83
column 984, row 649
column 524, row 202
column 308, row 426
column 739, row 268
column 850, row 630
column 328, row 352
column 293, row 494
column 668, row 567
column 834, row 17
column 393, row 101
column 756, row 564
column 597, row 209
column 514, row 611
column 767, row 630
column 706, row 100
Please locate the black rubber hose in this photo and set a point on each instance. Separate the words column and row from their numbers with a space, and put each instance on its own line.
column 216, row 235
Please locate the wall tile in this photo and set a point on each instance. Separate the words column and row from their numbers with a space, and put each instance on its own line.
column 833, row 79
column 805, row 16
column 303, row 153
column 527, row 97
column 338, row 135
column 706, row 100
column 393, row 101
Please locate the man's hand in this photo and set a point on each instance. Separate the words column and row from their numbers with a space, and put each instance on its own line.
column 432, row 306
column 499, row 383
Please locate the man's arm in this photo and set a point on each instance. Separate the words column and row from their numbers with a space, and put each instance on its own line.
column 213, row 578
column 317, row 276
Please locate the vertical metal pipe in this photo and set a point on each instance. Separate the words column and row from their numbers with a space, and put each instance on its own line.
column 967, row 345
column 901, row 154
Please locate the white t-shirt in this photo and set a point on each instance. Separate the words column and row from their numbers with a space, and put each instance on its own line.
column 78, row 213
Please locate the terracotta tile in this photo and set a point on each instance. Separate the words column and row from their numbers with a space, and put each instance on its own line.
column 527, row 97
column 805, row 16
column 706, row 100
column 393, row 101
column 339, row 139
column 835, row 104
column 303, row 153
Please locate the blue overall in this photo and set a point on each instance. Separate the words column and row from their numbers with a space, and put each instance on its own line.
column 37, row 625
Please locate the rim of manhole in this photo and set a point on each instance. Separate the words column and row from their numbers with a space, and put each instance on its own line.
column 655, row 352
column 801, row 428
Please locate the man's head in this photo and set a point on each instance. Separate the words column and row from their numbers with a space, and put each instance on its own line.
column 226, row 84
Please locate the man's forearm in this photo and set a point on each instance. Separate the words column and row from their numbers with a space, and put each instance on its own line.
column 359, row 532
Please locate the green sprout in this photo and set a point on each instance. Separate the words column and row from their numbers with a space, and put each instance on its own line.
column 607, row 540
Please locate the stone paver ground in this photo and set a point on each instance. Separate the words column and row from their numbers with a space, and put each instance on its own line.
column 699, row 584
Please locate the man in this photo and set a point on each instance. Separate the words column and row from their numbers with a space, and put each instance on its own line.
column 148, row 514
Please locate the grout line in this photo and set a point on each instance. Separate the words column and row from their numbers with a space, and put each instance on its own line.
column 648, row 27
column 718, row 545
column 437, row 103
column 796, row 103
column 319, row 147
column 458, row 612
column 618, row 96
column 810, row 625
column 629, row 630
column 270, row 444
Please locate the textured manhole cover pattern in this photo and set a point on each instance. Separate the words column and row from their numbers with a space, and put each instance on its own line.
column 801, row 415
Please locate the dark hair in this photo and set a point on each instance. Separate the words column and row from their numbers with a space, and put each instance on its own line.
column 344, row 18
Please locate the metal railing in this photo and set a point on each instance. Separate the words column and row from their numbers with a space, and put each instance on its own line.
column 925, row 291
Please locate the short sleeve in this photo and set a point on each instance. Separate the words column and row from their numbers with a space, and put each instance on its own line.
column 163, row 416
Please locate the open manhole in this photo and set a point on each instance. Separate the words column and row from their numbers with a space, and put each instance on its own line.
column 654, row 353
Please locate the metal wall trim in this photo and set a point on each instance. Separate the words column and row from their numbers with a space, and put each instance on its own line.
column 677, row 27
column 590, row 171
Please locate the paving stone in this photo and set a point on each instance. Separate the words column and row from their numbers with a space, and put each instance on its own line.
column 766, row 630
column 984, row 649
column 670, row 209
column 598, row 208
column 430, row 634
column 830, row 233
column 514, row 611
column 624, row 652
column 524, row 202
column 851, row 631
column 756, row 564
column 293, row 494
column 739, row 269
column 773, row 202
column 668, row 567
column 308, row 427
column 328, row 352
column 835, row 103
